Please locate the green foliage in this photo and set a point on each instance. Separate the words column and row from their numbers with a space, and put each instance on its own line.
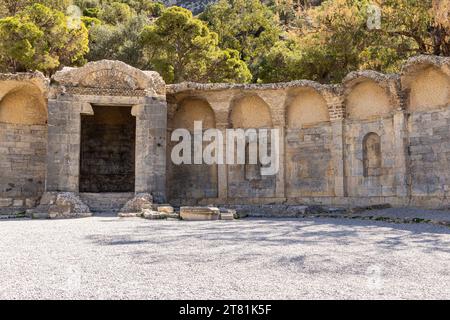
column 18, row 42
column 13, row 7
column 90, row 22
column 38, row 38
column 280, row 63
column 234, row 40
column 334, row 39
column 116, row 12
column 182, row 48
column 247, row 26
column 148, row 7
column 118, row 42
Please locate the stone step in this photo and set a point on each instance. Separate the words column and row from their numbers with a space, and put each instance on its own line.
column 106, row 202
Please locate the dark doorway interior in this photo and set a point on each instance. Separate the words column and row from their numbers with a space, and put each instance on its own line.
column 107, row 159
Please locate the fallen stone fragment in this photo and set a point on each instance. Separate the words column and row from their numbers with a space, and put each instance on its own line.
column 165, row 209
column 199, row 213
column 153, row 215
column 129, row 215
column 61, row 205
column 227, row 215
column 140, row 202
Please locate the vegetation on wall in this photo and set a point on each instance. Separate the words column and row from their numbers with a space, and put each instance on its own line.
column 230, row 41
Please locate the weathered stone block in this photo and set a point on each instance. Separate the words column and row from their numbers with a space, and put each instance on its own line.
column 199, row 213
column 6, row 202
column 18, row 203
column 30, row 203
column 227, row 215
column 153, row 215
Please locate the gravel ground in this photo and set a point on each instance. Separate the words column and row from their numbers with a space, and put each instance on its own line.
column 437, row 215
column 106, row 257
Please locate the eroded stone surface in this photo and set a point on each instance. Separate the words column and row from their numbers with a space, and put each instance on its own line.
column 371, row 140
column 138, row 203
column 199, row 213
column 55, row 205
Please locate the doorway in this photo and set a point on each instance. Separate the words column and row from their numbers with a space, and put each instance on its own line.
column 107, row 151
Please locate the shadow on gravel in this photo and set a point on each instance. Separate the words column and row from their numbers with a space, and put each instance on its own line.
column 281, row 232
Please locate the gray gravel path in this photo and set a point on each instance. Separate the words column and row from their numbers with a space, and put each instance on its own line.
column 409, row 213
column 105, row 257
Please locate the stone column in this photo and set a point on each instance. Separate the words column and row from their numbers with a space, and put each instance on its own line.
column 338, row 157
column 280, row 191
column 400, row 147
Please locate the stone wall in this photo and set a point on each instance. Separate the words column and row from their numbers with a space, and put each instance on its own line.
column 23, row 140
column 191, row 181
column 373, row 139
column 309, row 162
column 428, row 86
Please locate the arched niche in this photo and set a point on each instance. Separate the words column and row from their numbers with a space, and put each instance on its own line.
column 366, row 100
column 23, row 104
column 372, row 155
column 192, row 182
column 307, row 108
column 428, row 89
column 191, row 110
column 250, row 112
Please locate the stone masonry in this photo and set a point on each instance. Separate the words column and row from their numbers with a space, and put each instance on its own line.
column 373, row 139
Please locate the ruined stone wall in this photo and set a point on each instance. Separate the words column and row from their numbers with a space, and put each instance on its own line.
column 191, row 181
column 249, row 111
column 23, row 140
column 428, row 131
column 309, row 143
column 375, row 138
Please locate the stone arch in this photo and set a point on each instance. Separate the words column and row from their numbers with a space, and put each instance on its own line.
column 196, row 181
column 250, row 111
column 113, row 75
column 23, row 104
column 307, row 107
column 23, row 139
column 367, row 99
column 428, row 88
column 193, row 109
column 372, row 158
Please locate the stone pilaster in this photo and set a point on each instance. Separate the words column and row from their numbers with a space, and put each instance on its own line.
column 338, row 157
column 63, row 159
column 280, row 191
column 400, row 147
column 151, row 124
column 222, row 169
